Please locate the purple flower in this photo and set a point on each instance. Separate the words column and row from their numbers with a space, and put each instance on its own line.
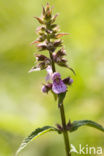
column 49, row 75
column 58, row 85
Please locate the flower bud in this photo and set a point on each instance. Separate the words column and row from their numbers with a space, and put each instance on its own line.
column 49, row 31
column 41, row 38
column 58, row 43
column 53, row 26
column 63, row 60
column 69, row 125
column 61, row 52
column 39, row 20
column 48, row 12
column 42, row 46
column 47, row 7
column 47, row 62
column 58, row 57
column 56, row 29
column 54, row 18
column 41, row 28
column 40, row 57
column 68, row 81
column 44, row 64
column 43, row 11
column 41, row 65
column 46, row 88
column 50, row 47
column 59, row 127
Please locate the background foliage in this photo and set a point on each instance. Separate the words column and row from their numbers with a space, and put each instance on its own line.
column 22, row 105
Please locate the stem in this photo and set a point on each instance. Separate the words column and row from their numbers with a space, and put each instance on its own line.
column 65, row 133
column 63, row 119
column 53, row 65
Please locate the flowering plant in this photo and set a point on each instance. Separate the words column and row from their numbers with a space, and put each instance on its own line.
column 49, row 40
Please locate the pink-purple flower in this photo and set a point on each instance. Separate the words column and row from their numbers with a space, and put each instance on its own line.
column 58, row 85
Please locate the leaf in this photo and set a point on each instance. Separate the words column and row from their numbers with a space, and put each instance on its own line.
column 76, row 124
column 38, row 132
column 61, row 97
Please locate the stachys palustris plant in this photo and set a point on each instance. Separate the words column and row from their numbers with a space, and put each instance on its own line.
column 49, row 40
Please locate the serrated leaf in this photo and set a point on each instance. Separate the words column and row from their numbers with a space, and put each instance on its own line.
column 61, row 97
column 76, row 124
column 34, row 135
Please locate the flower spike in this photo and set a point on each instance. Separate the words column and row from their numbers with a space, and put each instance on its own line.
column 49, row 40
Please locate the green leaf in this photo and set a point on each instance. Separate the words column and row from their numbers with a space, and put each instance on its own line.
column 34, row 135
column 61, row 97
column 76, row 124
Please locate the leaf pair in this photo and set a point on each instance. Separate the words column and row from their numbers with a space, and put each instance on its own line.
column 74, row 126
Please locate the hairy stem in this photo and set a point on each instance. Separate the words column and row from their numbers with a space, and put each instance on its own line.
column 63, row 119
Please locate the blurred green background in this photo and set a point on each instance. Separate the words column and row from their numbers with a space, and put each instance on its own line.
column 22, row 105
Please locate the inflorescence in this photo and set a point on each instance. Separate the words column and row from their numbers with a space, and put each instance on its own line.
column 49, row 40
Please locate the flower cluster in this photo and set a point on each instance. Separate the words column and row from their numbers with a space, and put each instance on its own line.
column 58, row 85
column 49, row 40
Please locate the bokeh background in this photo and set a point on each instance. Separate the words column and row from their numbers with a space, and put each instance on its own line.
column 22, row 105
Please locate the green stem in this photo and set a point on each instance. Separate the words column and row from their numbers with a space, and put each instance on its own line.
column 65, row 133
column 63, row 119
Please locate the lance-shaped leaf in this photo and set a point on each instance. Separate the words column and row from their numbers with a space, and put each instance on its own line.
column 76, row 124
column 35, row 134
